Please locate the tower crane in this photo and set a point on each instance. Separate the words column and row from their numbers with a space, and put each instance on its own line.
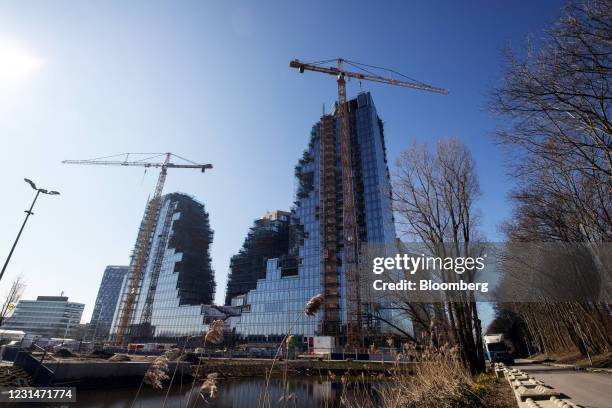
column 351, row 244
column 143, row 248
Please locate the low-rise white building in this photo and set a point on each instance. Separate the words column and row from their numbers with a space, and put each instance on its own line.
column 47, row 316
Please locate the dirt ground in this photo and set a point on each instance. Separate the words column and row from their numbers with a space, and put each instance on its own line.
column 575, row 358
column 500, row 396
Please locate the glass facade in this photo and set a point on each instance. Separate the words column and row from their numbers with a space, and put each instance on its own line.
column 268, row 238
column 106, row 301
column 277, row 303
column 47, row 316
column 180, row 280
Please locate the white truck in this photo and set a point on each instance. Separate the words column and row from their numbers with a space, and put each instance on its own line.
column 496, row 349
column 323, row 345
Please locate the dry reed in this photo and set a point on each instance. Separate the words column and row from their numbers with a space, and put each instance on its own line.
column 214, row 335
column 157, row 373
column 209, row 386
column 310, row 309
column 437, row 379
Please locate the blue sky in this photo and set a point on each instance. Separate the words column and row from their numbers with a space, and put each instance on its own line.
column 209, row 80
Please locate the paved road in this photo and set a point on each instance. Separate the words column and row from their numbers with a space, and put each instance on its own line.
column 591, row 390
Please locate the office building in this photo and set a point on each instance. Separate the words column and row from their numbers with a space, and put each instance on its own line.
column 47, row 316
column 106, row 302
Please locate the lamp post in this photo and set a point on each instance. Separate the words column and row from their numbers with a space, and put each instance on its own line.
column 28, row 213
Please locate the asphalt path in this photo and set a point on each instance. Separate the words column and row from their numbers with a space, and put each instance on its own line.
column 591, row 390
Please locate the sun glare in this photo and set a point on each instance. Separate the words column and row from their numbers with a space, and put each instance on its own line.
column 16, row 62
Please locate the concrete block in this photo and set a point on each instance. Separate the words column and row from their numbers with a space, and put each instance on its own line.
column 537, row 393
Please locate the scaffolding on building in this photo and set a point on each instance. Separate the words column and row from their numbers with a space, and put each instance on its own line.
column 147, row 310
column 330, row 324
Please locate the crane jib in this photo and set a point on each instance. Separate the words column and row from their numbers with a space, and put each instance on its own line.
column 336, row 71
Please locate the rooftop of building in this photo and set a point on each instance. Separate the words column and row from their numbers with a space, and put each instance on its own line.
column 275, row 215
column 63, row 299
column 53, row 298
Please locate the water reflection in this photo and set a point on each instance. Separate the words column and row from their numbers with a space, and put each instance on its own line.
column 308, row 392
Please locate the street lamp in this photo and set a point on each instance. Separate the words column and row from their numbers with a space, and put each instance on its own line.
column 28, row 213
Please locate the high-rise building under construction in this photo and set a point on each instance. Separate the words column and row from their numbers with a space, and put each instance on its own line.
column 268, row 238
column 313, row 262
column 178, row 279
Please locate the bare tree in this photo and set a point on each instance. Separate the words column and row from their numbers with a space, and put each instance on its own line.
column 558, row 98
column 556, row 104
column 556, row 288
column 435, row 197
column 12, row 297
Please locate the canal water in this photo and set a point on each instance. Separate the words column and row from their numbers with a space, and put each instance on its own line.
column 307, row 392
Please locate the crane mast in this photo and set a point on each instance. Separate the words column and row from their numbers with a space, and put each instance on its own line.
column 352, row 257
column 350, row 237
column 142, row 250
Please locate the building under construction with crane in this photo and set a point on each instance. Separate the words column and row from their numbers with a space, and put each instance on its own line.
column 314, row 262
column 343, row 202
column 170, row 279
column 178, row 278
